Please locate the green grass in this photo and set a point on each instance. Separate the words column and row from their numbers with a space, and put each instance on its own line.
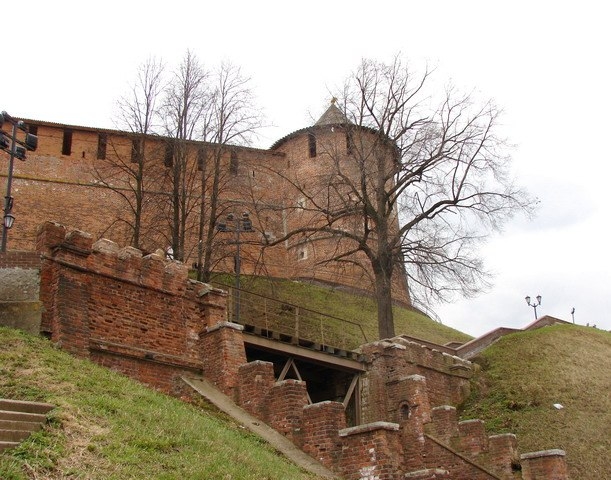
column 359, row 309
column 525, row 374
column 106, row 426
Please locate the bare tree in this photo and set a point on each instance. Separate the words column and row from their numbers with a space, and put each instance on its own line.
column 127, row 165
column 407, row 185
column 232, row 119
column 187, row 99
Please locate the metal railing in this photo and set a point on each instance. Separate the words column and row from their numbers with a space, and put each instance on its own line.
column 284, row 321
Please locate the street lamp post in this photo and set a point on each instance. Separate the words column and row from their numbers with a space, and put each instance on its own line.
column 16, row 149
column 534, row 304
column 237, row 226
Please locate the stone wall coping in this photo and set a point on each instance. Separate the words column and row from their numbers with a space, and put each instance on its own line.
column 503, row 435
column 369, row 427
column 290, row 381
column 259, row 362
column 218, row 326
column 426, row 472
column 543, row 453
column 444, row 407
column 319, row 404
column 467, row 422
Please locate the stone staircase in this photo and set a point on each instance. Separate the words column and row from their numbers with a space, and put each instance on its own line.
column 18, row 419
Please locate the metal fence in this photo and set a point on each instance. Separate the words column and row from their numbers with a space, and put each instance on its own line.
column 274, row 318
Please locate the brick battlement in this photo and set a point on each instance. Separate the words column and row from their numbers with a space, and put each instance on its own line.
column 136, row 313
column 141, row 315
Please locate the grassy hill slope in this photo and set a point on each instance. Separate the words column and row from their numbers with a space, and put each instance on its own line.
column 525, row 374
column 109, row 427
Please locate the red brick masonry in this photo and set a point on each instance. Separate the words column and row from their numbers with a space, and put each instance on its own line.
column 142, row 316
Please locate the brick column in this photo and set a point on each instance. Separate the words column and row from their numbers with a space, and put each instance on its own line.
column 503, row 454
column 255, row 382
column 371, row 451
column 444, row 423
column 320, row 428
column 285, row 407
column 416, row 412
column 545, row 465
column 222, row 349
column 473, row 439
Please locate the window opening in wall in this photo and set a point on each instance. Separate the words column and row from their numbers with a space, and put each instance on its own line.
column 404, row 412
column 33, row 129
column 168, row 158
column 349, row 143
column 312, row 144
column 102, row 141
column 233, row 163
column 201, row 159
column 302, row 252
column 268, row 236
column 67, row 142
column 136, row 149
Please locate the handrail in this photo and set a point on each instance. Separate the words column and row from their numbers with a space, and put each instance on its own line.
column 297, row 309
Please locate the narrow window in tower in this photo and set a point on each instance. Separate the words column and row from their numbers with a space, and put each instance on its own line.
column 168, row 158
column 201, row 159
column 102, row 140
column 302, row 251
column 67, row 142
column 136, row 149
column 233, row 163
column 349, row 143
column 312, row 144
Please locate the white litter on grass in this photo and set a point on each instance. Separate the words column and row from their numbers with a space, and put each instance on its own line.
column 558, row 406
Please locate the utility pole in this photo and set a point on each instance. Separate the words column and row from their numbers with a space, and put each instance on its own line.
column 16, row 149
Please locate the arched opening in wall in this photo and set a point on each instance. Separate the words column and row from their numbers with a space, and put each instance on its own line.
column 404, row 412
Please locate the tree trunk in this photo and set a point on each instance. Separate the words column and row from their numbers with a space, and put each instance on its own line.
column 383, row 285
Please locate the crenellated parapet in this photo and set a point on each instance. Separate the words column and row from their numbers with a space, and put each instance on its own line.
column 390, row 362
column 133, row 312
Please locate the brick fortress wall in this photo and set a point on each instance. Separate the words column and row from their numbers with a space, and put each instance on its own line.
column 142, row 316
column 64, row 187
column 137, row 314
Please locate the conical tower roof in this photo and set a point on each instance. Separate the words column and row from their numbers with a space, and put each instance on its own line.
column 333, row 116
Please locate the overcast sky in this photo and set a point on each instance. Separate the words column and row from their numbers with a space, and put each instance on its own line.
column 546, row 63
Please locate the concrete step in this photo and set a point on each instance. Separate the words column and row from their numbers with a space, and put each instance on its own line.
column 7, row 445
column 21, row 416
column 18, row 419
column 24, row 406
column 18, row 425
column 13, row 435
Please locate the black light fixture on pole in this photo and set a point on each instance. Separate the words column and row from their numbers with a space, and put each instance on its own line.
column 237, row 226
column 16, row 149
column 534, row 304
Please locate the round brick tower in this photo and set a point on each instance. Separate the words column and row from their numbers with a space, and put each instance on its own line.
column 314, row 155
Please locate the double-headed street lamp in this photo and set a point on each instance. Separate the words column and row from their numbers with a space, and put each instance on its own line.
column 534, row 304
column 237, row 226
column 16, row 149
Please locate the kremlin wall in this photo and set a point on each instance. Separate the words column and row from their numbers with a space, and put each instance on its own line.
column 76, row 177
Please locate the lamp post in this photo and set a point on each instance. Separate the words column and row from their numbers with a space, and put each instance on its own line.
column 534, row 304
column 237, row 226
column 16, row 149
